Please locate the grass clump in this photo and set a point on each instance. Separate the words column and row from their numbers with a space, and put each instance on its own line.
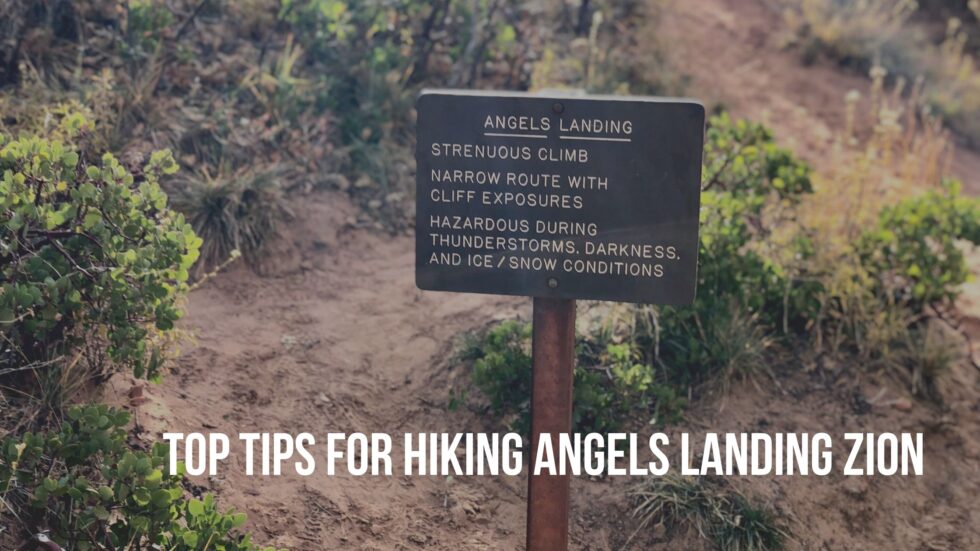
column 929, row 353
column 233, row 213
column 711, row 507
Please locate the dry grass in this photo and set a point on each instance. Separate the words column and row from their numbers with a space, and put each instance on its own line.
column 930, row 353
column 893, row 147
column 957, row 92
column 850, row 31
column 890, row 149
column 866, row 33
column 231, row 211
column 711, row 507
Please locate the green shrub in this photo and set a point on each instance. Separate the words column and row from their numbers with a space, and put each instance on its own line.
column 912, row 250
column 89, row 491
column 750, row 190
column 616, row 386
column 609, row 388
column 371, row 57
column 367, row 48
column 502, row 371
column 759, row 276
column 145, row 23
column 758, row 269
column 742, row 158
column 91, row 256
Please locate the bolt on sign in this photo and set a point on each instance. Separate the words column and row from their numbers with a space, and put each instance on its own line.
column 577, row 197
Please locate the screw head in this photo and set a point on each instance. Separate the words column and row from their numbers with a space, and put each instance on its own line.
column 552, row 283
column 557, row 107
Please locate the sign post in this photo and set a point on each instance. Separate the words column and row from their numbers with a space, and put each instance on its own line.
column 552, row 354
column 557, row 198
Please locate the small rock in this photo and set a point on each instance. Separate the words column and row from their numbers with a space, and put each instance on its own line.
column 902, row 404
column 339, row 181
column 136, row 396
column 855, row 487
column 363, row 182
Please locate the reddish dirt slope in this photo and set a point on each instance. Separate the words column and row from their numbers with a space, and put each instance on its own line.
column 733, row 51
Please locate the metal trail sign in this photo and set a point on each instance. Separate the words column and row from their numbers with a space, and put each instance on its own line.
column 583, row 198
column 557, row 198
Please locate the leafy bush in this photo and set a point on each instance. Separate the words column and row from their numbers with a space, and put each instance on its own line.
column 711, row 507
column 912, row 250
column 145, row 21
column 371, row 57
column 90, row 255
column 616, row 387
column 89, row 491
column 365, row 42
column 764, row 270
column 502, row 370
column 750, row 189
column 763, row 266
column 742, row 158
column 609, row 388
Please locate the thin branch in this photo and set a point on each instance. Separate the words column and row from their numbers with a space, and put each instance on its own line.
column 187, row 22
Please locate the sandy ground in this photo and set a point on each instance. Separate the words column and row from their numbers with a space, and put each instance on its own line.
column 334, row 337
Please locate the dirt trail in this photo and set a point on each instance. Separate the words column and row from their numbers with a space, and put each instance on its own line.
column 335, row 337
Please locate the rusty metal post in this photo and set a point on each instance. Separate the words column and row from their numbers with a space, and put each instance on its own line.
column 551, row 413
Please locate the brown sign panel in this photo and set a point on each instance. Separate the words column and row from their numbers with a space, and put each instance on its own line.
column 579, row 197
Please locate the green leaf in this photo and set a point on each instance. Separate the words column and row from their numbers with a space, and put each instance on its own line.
column 238, row 519
column 189, row 538
column 142, row 496
column 161, row 498
column 100, row 512
column 195, row 507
